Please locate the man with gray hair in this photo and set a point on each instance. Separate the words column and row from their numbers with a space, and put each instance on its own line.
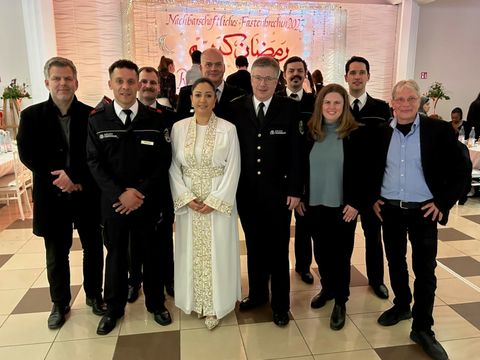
column 270, row 185
column 51, row 142
column 418, row 175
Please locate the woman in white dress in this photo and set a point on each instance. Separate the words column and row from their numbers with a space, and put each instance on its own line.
column 203, row 178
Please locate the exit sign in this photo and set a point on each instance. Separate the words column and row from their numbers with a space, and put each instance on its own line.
column 423, row 75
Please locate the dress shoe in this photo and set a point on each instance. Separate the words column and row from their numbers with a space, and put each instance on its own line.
column 320, row 299
column 98, row 306
column 393, row 315
column 170, row 290
column 281, row 318
column 306, row 277
column 57, row 317
column 248, row 304
column 429, row 344
column 211, row 322
column 162, row 316
column 132, row 293
column 106, row 325
column 337, row 319
column 380, row 290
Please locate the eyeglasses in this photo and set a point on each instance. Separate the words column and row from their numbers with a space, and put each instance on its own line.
column 267, row 79
column 411, row 100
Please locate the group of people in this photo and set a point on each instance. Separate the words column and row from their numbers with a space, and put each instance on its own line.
column 224, row 152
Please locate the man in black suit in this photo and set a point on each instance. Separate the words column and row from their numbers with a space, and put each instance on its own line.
column 147, row 95
column 294, row 72
column 371, row 112
column 241, row 78
column 213, row 68
column 418, row 175
column 129, row 154
column 270, row 185
column 51, row 142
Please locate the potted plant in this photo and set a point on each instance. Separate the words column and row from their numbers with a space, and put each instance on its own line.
column 12, row 99
column 436, row 92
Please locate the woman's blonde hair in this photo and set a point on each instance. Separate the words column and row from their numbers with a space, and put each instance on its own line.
column 346, row 122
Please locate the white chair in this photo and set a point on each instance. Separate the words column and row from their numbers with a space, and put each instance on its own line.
column 13, row 186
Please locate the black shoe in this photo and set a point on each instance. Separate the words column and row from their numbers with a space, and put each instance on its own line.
column 132, row 293
column 106, row 325
column 281, row 318
column 57, row 317
column 380, row 290
column 337, row 319
column 320, row 299
column 429, row 344
column 162, row 316
column 248, row 304
column 306, row 277
column 98, row 306
column 170, row 290
column 394, row 315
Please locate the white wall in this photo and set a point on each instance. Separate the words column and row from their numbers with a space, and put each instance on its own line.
column 448, row 48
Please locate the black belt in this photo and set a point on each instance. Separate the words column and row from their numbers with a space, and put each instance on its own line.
column 408, row 205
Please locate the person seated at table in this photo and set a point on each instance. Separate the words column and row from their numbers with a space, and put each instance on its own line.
column 457, row 124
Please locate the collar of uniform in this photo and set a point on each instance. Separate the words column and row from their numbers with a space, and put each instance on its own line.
column 362, row 100
column 299, row 93
column 256, row 102
column 219, row 90
column 122, row 116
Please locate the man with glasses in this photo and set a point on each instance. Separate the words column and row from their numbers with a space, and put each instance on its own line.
column 418, row 175
column 213, row 68
column 270, row 185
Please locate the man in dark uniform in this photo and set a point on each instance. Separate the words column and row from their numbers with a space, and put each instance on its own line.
column 241, row 78
column 213, row 68
column 51, row 142
column 294, row 71
column 373, row 113
column 147, row 95
column 129, row 153
column 270, row 185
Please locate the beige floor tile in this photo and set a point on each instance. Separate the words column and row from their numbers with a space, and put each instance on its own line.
column 81, row 324
column 321, row 339
column 358, row 256
column 9, row 299
column 193, row 322
column 76, row 258
column 454, row 291
column 32, row 246
column 445, row 249
column 301, row 309
column 222, row 343
column 25, row 329
column 2, row 319
column 18, row 279
column 462, row 349
column 468, row 247
column 350, row 355
column 138, row 320
column 79, row 301
column 380, row 336
column 10, row 246
column 474, row 279
column 30, row 352
column 90, row 349
column 449, row 325
column 298, row 358
column 267, row 341
column 296, row 283
column 22, row 235
column 362, row 300
column 25, row 261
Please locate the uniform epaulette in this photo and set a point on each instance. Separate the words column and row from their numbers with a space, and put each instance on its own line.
column 158, row 111
column 101, row 105
column 238, row 97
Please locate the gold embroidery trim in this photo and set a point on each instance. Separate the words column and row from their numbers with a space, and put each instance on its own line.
column 219, row 205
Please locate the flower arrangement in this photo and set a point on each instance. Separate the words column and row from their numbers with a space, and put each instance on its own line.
column 15, row 91
column 436, row 92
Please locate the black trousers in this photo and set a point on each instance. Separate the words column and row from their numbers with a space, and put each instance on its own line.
column 303, row 244
column 164, row 234
column 267, row 234
column 422, row 232
column 333, row 241
column 118, row 232
column 373, row 246
column 57, row 245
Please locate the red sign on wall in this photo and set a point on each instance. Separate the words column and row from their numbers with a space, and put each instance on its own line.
column 423, row 75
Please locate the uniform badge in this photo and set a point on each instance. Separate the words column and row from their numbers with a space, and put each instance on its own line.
column 301, row 128
column 166, row 134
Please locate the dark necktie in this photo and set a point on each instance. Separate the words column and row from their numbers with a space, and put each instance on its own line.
column 294, row 96
column 128, row 120
column 217, row 94
column 261, row 114
column 356, row 109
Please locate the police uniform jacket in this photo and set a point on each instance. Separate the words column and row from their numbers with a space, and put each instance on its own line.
column 137, row 156
column 374, row 113
column 43, row 148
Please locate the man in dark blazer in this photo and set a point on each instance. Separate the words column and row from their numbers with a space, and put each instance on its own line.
column 213, row 68
column 270, row 185
column 129, row 154
column 241, row 78
column 147, row 95
column 294, row 72
column 418, row 175
column 51, row 142
column 371, row 112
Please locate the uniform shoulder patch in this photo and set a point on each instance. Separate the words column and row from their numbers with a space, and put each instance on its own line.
column 166, row 134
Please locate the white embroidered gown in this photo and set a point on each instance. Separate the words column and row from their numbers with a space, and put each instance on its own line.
column 206, row 165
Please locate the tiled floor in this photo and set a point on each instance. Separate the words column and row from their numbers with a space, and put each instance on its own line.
column 25, row 305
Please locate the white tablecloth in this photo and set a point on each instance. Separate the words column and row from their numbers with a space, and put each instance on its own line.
column 475, row 156
column 6, row 163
